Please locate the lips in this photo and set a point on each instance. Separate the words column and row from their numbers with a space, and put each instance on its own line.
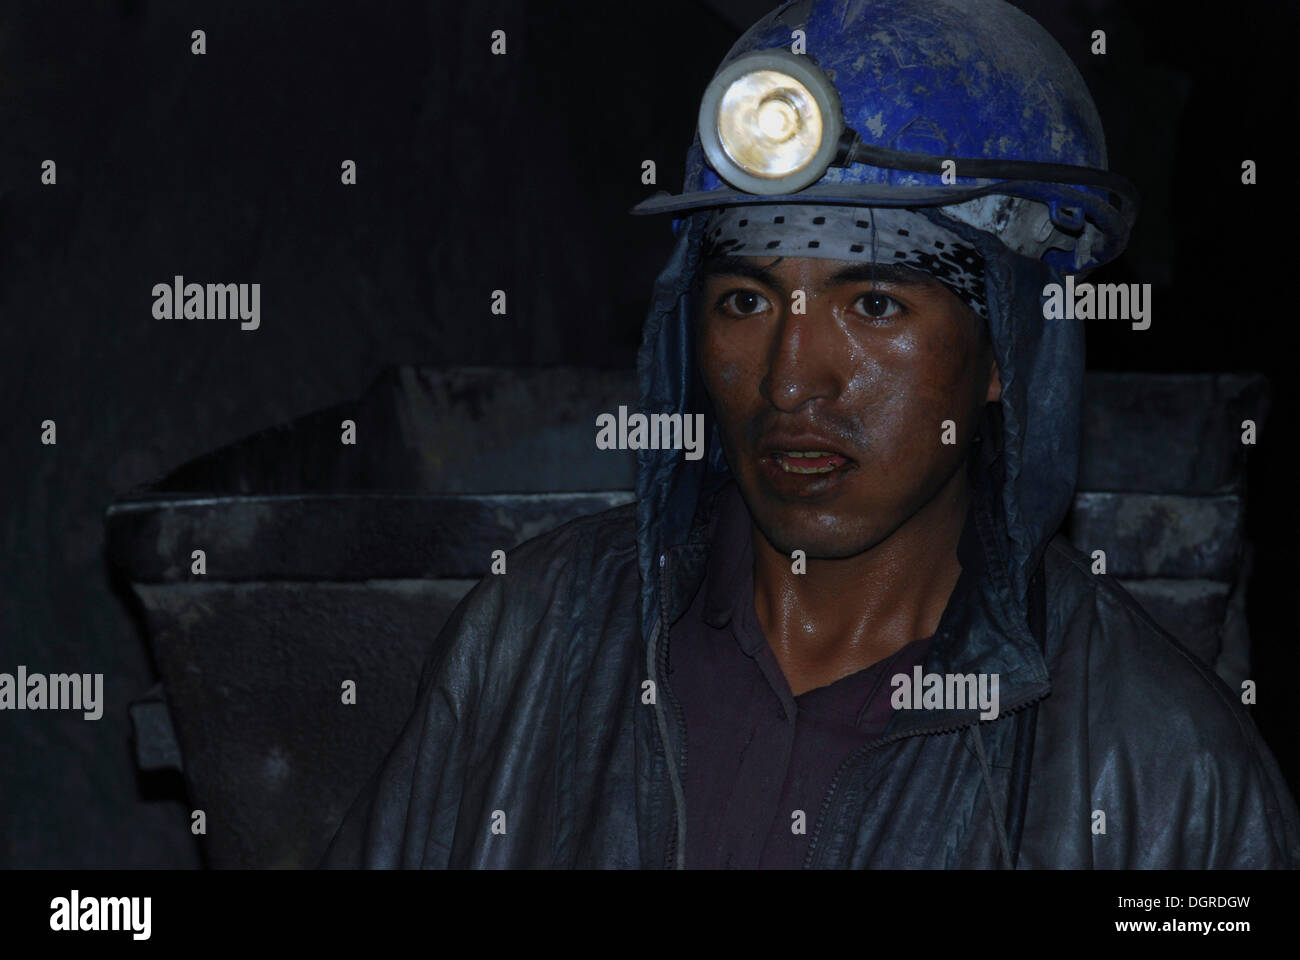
column 808, row 461
column 805, row 450
column 801, row 460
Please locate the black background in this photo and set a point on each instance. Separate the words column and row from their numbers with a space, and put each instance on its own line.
column 475, row 173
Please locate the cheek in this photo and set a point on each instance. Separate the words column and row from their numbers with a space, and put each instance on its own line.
column 906, row 387
column 723, row 360
column 942, row 367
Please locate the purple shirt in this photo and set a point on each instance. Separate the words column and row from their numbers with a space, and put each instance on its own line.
column 756, row 753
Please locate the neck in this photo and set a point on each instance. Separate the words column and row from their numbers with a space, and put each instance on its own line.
column 845, row 614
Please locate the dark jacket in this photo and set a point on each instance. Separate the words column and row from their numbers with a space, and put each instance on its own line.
column 545, row 733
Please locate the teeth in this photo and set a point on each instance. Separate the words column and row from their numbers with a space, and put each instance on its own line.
column 788, row 468
column 788, row 455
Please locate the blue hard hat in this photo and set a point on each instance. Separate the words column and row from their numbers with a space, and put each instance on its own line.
column 967, row 105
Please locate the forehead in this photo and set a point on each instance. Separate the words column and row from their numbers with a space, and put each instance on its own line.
column 779, row 271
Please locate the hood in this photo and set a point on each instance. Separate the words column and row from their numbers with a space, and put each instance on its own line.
column 1023, row 476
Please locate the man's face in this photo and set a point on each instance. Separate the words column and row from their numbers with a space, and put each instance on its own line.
column 867, row 373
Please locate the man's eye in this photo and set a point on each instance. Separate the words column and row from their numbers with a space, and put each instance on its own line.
column 877, row 305
column 744, row 302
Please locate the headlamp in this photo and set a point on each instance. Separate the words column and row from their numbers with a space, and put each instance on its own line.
column 770, row 122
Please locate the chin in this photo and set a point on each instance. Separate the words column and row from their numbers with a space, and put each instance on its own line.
column 825, row 538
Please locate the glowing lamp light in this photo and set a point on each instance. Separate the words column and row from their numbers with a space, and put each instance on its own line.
column 770, row 122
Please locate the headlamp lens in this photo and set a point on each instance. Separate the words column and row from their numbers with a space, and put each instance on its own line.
column 769, row 124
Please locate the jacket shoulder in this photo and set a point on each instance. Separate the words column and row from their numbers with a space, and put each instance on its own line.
column 1163, row 730
column 1122, row 637
column 552, row 574
column 499, row 665
column 594, row 545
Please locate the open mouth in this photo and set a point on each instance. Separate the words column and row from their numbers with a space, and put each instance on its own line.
column 808, row 461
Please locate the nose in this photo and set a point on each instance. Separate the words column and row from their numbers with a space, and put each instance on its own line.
column 801, row 364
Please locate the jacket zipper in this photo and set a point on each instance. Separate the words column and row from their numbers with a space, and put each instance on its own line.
column 677, row 772
column 880, row 742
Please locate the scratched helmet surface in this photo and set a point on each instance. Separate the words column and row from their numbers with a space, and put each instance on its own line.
column 968, row 105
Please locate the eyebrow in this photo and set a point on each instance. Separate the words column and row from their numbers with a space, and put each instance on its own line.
column 884, row 272
column 856, row 273
column 737, row 267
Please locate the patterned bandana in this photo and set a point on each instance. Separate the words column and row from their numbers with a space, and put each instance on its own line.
column 832, row 232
